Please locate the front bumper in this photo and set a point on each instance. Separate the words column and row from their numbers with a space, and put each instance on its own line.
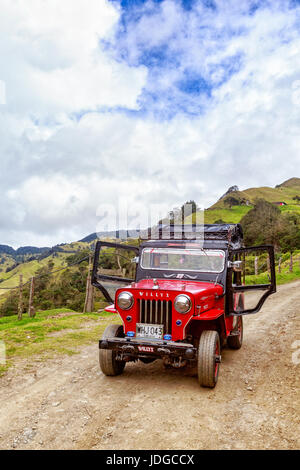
column 145, row 348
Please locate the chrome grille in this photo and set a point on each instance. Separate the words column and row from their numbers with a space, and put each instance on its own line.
column 158, row 312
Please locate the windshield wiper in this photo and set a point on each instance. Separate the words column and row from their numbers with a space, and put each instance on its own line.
column 217, row 278
column 202, row 249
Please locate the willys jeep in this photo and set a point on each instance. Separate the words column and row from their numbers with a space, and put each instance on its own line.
column 186, row 299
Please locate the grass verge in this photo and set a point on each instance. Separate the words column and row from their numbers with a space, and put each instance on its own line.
column 281, row 278
column 50, row 333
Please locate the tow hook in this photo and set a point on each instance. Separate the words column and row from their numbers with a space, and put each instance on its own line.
column 163, row 351
column 179, row 363
column 218, row 358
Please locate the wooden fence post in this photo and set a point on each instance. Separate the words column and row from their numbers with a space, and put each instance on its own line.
column 31, row 312
column 89, row 294
column 20, row 306
column 244, row 269
column 256, row 265
column 291, row 263
column 279, row 265
column 118, row 260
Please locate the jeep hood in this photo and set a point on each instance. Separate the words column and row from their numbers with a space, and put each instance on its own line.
column 194, row 287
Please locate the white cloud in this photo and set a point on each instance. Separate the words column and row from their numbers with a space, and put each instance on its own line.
column 56, row 169
column 52, row 60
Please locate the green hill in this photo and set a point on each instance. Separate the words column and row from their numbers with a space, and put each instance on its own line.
column 230, row 208
column 235, row 204
column 28, row 269
column 290, row 183
column 284, row 192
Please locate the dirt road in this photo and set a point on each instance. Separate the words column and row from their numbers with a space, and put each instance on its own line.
column 67, row 403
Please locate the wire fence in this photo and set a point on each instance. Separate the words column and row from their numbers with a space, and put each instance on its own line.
column 46, row 274
column 265, row 264
column 256, row 267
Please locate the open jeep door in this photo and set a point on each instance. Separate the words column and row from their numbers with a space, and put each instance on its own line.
column 253, row 278
column 114, row 267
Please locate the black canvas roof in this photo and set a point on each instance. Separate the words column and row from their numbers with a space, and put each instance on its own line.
column 230, row 233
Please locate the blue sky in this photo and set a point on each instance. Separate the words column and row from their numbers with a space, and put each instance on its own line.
column 188, row 41
column 145, row 101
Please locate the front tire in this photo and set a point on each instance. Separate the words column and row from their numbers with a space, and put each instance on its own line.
column 209, row 358
column 107, row 358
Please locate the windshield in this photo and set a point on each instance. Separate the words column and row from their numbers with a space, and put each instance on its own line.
column 176, row 259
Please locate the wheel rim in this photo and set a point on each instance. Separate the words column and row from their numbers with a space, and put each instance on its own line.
column 217, row 364
column 240, row 328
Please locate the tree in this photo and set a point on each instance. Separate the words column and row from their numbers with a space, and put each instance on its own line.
column 232, row 201
column 263, row 224
column 177, row 215
column 291, row 238
column 72, row 259
column 188, row 208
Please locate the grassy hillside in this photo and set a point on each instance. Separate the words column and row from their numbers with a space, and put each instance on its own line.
column 236, row 213
column 220, row 211
column 6, row 261
column 29, row 269
column 284, row 192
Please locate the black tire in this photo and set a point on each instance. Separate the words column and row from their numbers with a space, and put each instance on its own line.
column 107, row 358
column 235, row 342
column 208, row 366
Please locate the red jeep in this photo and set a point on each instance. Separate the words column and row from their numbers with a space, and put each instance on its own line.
column 186, row 300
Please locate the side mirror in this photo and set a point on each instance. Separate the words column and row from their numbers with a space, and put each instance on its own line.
column 237, row 266
column 135, row 259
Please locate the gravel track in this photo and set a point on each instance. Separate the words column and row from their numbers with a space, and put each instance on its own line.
column 67, row 403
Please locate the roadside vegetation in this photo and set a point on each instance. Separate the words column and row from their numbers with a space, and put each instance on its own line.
column 50, row 333
column 282, row 277
column 58, row 290
column 267, row 215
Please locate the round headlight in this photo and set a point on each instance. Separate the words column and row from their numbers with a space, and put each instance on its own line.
column 182, row 303
column 125, row 300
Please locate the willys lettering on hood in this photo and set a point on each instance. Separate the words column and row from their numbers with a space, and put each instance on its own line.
column 163, row 289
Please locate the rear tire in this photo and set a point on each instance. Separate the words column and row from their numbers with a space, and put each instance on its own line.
column 107, row 358
column 208, row 367
column 235, row 342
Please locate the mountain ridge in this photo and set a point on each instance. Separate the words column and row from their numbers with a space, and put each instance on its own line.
column 285, row 191
column 225, row 210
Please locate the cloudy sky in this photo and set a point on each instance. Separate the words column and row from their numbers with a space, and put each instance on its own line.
column 140, row 101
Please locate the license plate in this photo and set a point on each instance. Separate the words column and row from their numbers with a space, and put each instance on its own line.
column 147, row 330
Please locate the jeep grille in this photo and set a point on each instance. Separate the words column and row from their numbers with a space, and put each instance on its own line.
column 158, row 312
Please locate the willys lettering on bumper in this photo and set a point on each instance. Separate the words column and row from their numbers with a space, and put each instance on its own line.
column 159, row 348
